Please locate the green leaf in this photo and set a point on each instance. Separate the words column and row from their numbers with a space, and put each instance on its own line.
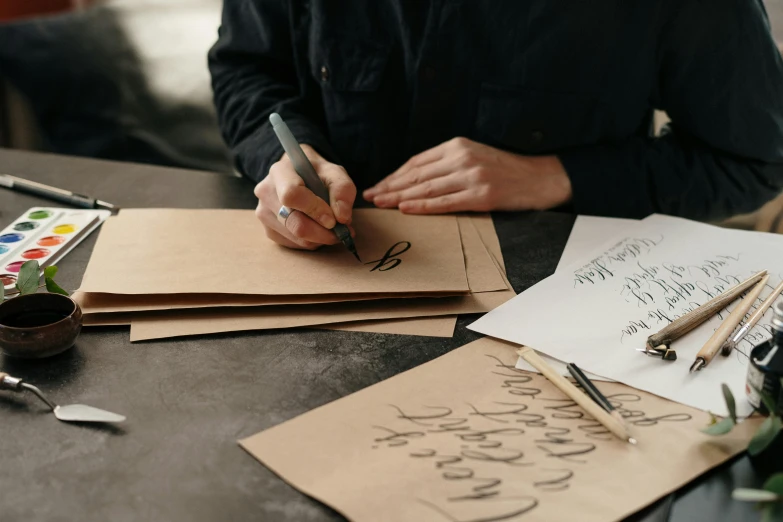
column 27, row 282
column 53, row 287
column 768, row 401
column 775, row 484
column 730, row 402
column 50, row 272
column 719, row 428
column 753, row 495
column 765, row 435
column 2, row 291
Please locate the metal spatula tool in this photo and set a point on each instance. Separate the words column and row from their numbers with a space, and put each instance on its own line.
column 69, row 413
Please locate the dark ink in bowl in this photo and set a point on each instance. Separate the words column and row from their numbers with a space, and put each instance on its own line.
column 33, row 319
column 38, row 325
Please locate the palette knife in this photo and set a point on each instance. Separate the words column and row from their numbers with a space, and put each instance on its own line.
column 69, row 413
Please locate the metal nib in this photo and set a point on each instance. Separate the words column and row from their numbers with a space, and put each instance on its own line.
column 662, row 352
column 104, row 205
column 698, row 364
column 344, row 235
column 349, row 244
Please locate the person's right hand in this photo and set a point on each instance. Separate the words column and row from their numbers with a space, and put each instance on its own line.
column 311, row 218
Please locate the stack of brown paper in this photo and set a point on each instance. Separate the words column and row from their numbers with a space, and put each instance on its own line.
column 170, row 272
column 468, row 436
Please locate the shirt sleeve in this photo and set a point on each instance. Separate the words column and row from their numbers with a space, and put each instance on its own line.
column 720, row 80
column 253, row 75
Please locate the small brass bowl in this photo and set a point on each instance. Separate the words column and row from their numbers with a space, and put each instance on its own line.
column 35, row 326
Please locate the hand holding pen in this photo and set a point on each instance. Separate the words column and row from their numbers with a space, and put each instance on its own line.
column 301, row 214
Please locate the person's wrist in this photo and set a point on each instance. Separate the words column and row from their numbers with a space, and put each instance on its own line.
column 556, row 189
column 561, row 183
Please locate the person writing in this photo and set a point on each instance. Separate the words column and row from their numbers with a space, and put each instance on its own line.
column 444, row 106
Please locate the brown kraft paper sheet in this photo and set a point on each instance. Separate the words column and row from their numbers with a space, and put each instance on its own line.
column 468, row 437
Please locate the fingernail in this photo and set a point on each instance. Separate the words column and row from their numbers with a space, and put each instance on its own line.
column 339, row 209
column 327, row 221
column 370, row 192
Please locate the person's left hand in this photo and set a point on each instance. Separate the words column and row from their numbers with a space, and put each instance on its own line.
column 462, row 175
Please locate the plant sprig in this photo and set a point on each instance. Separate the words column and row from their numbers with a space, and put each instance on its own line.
column 721, row 427
column 767, row 432
column 770, row 497
column 27, row 282
column 51, row 286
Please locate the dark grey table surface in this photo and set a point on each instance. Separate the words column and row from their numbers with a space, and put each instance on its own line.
column 189, row 400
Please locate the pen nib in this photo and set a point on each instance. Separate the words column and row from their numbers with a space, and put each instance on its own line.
column 698, row 364
column 344, row 235
column 349, row 244
column 662, row 352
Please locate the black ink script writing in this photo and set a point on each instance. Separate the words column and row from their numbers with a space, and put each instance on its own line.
column 601, row 268
column 390, row 259
column 541, row 439
column 665, row 291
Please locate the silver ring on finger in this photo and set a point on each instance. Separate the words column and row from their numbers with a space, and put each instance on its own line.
column 283, row 214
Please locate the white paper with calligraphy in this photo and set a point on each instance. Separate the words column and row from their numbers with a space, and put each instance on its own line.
column 589, row 232
column 586, row 233
column 598, row 312
column 468, row 438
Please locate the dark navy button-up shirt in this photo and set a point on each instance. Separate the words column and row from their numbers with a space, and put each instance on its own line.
column 371, row 83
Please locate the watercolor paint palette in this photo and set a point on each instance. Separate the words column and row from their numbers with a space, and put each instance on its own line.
column 46, row 235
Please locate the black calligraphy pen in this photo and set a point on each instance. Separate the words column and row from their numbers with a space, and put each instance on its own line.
column 594, row 393
column 610, row 422
column 305, row 169
column 53, row 193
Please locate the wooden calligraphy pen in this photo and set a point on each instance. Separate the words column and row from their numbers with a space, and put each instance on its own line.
column 594, row 410
column 734, row 340
column 714, row 343
column 658, row 345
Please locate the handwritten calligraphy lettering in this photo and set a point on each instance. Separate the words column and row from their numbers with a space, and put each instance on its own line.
column 469, row 445
column 600, row 268
column 390, row 259
column 667, row 291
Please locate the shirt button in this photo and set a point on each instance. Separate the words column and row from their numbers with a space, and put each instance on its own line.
column 536, row 137
column 324, row 74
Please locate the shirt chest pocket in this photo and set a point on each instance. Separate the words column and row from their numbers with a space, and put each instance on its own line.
column 538, row 122
column 350, row 75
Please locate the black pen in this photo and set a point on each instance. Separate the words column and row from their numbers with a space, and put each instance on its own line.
column 593, row 392
column 305, row 169
column 52, row 193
